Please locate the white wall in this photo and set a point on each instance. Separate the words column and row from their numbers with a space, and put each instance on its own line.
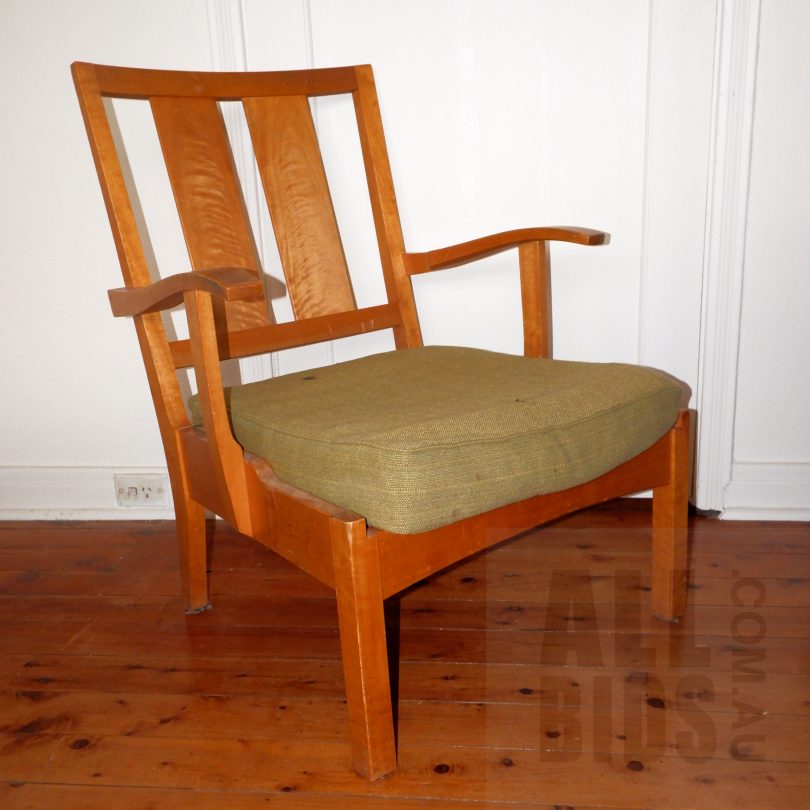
column 525, row 113
column 75, row 403
column 498, row 115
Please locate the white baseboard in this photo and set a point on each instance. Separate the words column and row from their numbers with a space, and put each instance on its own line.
column 768, row 491
column 758, row 491
column 73, row 493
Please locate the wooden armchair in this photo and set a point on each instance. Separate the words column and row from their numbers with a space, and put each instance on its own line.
column 428, row 454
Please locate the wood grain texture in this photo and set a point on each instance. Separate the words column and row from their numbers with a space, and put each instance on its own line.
column 465, row 252
column 551, row 728
column 670, row 504
column 89, row 797
column 535, row 297
column 263, row 339
column 226, row 465
column 208, row 196
column 227, row 283
column 141, row 83
column 363, row 649
column 300, row 204
column 300, row 528
column 121, row 701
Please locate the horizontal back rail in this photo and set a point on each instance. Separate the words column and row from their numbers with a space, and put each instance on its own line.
column 263, row 339
column 142, row 83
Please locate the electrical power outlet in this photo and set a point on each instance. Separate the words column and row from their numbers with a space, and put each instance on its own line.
column 133, row 489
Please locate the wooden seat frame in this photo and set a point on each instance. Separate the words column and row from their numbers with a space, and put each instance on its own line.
column 228, row 318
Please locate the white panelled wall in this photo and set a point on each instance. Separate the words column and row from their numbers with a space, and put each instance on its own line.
column 679, row 126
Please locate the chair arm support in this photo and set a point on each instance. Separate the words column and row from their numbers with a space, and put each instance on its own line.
column 489, row 245
column 228, row 283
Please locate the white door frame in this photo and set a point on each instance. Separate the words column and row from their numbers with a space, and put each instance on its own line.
column 737, row 36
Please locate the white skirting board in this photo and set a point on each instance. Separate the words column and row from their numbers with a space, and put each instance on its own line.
column 768, row 491
column 757, row 491
column 75, row 493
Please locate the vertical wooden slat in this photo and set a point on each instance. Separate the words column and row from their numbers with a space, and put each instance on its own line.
column 297, row 192
column 208, row 196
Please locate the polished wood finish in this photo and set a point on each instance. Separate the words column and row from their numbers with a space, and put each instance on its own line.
column 208, row 468
column 227, row 283
column 358, row 586
column 670, row 503
column 535, row 296
column 384, row 207
column 111, row 698
column 295, row 333
column 226, row 459
column 294, row 179
column 208, row 196
column 490, row 245
column 535, row 272
column 142, row 83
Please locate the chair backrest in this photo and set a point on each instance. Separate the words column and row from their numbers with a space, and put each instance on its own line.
column 209, row 200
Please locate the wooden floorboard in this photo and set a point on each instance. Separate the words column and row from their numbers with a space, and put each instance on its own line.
column 24, row 796
column 530, row 676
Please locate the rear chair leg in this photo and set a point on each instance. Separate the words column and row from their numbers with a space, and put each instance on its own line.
column 670, row 516
column 363, row 645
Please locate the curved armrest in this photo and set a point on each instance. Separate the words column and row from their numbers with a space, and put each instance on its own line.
column 228, row 283
column 489, row 245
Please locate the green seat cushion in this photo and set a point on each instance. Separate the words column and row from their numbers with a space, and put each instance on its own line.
column 417, row 438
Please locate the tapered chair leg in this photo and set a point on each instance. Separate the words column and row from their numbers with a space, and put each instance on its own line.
column 363, row 645
column 670, row 517
column 192, row 546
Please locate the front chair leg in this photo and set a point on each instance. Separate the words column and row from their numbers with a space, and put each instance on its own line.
column 192, row 546
column 191, row 539
column 362, row 640
column 670, row 517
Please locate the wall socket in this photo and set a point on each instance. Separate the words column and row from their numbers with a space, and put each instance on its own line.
column 133, row 489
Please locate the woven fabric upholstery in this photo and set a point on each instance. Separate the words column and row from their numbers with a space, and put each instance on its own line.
column 418, row 438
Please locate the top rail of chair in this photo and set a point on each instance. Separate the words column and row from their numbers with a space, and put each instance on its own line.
column 144, row 83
